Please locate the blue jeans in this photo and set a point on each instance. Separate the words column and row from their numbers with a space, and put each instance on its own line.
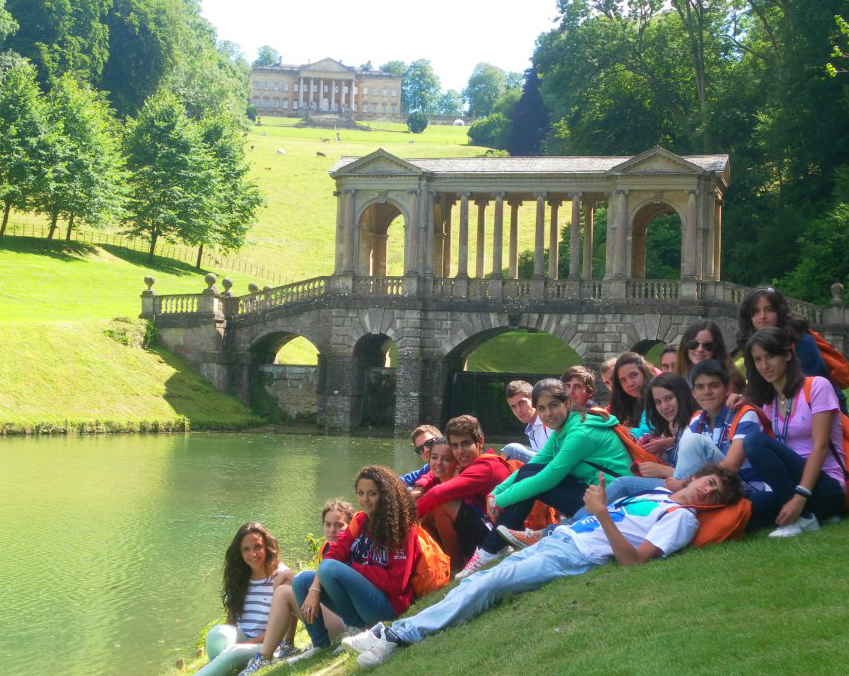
column 529, row 569
column 781, row 468
column 518, row 452
column 694, row 452
column 622, row 488
column 347, row 593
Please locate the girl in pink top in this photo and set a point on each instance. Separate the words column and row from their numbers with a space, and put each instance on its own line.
column 804, row 464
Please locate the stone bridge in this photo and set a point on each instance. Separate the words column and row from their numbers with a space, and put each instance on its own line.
column 350, row 320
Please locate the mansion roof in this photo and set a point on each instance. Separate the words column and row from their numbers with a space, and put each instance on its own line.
column 324, row 66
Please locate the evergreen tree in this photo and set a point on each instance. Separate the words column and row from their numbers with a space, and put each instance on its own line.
column 529, row 120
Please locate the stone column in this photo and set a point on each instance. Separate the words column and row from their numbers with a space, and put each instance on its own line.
column 709, row 212
column 513, row 262
column 609, row 246
column 353, row 94
column 689, row 239
column 301, row 92
column 340, row 234
column 448, row 204
column 352, row 235
column 717, row 244
column 311, row 96
column 539, row 242
column 553, row 247
column 497, row 236
column 589, row 209
column 428, row 230
column 480, row 245
column 332, row 94
column 575, row 238
column 379, row 255
column 621, row 257
column 463, row 245
column 411, row 241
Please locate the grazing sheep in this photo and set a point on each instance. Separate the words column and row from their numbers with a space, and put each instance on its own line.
column 318, row 153
column 280, row 151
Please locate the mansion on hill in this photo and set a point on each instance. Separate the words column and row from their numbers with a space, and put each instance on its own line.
column 326, row 86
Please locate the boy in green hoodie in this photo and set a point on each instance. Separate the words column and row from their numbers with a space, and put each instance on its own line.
column 558, row 475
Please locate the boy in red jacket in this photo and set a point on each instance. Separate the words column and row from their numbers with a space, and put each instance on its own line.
column 459, row 504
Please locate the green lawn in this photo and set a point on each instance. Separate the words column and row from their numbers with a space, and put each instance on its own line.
column 523, row 352
column 754, row 607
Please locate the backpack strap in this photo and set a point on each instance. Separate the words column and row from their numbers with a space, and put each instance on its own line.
column 601, row 468
column 806, row 388
column 738, row 415
column 412, row 540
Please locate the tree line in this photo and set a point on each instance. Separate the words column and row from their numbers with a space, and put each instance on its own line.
column 764, row 81
column 124, row 112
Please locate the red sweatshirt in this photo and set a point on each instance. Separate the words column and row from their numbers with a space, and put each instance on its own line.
column 471, row 485
column 385, row 569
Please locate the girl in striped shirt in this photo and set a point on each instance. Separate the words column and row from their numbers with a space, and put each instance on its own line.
column 252, row 570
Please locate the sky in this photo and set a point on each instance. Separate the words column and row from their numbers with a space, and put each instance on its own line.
column 453, row 34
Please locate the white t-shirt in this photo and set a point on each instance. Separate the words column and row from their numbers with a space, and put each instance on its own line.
column 254, row 618
column 537, row 433
column 640, row 518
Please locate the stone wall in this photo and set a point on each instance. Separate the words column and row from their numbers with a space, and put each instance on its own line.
column 294, row 387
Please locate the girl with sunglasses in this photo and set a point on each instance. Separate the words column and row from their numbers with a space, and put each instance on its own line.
column 703, row 340
column 766, row 307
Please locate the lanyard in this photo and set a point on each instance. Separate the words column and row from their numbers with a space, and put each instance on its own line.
column 781, row 437
column 725, row 423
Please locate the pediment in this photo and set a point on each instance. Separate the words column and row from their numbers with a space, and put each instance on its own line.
column 656, row 161
column 326, row 66
column 378, row 163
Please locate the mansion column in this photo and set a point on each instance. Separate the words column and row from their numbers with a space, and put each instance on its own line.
column 310, row 97
column 513, row 262
column 463, row 246
column 688, row 241
column 480, row 245
column 575, row 238
column 539, row 241
column 553, row 237
column 447, row 206
column 301, row 92
column 353, row 94
column 621, row 254
column 589, row 208
column 320, row 93
column 497, row 236
column 332, row 97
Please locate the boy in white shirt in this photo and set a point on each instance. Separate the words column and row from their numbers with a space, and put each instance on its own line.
column 518, row 394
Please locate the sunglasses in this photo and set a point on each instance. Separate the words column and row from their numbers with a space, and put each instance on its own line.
column 694, row 345
column 426, row 446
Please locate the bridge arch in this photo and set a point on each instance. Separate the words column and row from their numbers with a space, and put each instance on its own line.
column 642, row 216
column 376, row 218
column 374, row 381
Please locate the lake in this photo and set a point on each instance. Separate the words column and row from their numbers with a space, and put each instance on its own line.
column 112, row 546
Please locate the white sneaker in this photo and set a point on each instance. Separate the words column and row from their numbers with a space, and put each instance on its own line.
column 309, row 652
column 348, row 633
column 363, row 641
column 481, row 559
column 378, row 653
column 804, row 524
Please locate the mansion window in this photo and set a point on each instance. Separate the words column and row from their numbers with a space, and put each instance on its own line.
column 285, row 86
column 384, row 92
column 365, row 90
column 295, row 104
column 285, row 103
column 276, row 86
column 295, row 87
column 393, row 109
column 267, row 86
column 394, row 92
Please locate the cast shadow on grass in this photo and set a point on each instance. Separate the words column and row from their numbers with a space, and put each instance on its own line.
column 58, row 249
column 195, row 399
column 169, row 266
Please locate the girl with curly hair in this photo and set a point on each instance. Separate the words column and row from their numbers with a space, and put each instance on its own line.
column 252, row 570
column 364, row 577
column 701, row 341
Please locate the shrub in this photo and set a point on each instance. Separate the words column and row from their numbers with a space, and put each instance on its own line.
column 417, row 122
column 491, row 131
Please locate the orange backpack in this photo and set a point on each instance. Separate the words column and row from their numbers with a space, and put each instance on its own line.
column 432, row 567
column 541, row 515
column 428, row 567
column 638, row 453
column 838, row 367
column 718, row 523
column 844, row 425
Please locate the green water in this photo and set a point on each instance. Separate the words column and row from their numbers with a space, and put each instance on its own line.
column 111, row 547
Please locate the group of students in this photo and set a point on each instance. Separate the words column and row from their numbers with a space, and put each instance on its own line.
column 573, row 498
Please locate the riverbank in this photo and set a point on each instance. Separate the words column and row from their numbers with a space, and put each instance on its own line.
column 760, row 605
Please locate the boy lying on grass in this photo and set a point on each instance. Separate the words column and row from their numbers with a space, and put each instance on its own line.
column 632, row 530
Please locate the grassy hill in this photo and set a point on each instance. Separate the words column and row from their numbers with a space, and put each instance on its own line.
column 759, row 606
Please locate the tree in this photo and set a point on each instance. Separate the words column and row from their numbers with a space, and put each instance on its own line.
column 486, row 85
column 267, row 56
column 62, row 36
column 491, row 131
column 8, row 25
column 367, row 66
column 395, row 67
column 417, row 122
column 24, row 132
column 449, row 102
column 238, row 197
column 420, row 87
column 529, row 121
column 172, row 182
column 88, row 179
column 514, row 80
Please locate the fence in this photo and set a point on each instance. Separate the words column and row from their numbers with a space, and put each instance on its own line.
column 209, row 259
